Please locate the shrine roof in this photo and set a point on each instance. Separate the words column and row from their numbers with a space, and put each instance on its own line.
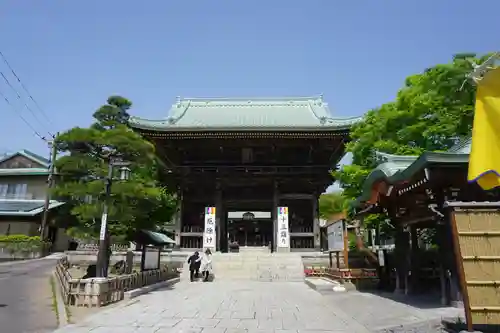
column 390, row 165
column 397, row 168
column 299, row 113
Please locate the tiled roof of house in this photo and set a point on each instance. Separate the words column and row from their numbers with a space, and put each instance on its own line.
column 44, row 162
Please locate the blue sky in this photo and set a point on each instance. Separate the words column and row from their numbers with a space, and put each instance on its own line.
column 73, row 54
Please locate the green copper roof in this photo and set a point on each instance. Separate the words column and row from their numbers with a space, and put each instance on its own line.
column 25, row 207
column 400, row 168
column 390, row 166
column 24, row 172
column 149, row 237
column 301, row 113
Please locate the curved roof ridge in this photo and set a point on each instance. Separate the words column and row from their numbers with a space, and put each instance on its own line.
column 463, row 146
column 244, row 99
column 177, row 115
column 323, row 117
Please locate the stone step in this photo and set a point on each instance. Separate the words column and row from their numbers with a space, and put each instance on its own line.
column 254, row 265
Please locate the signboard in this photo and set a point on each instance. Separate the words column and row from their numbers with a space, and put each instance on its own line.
column 283, row 236
column 335, row 234
column 209, row 236
column 151, row 259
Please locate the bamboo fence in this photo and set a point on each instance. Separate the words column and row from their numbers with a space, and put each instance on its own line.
column 478, row 235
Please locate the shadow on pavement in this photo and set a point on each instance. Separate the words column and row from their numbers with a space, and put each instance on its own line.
column 425, row 301
column 455, row 327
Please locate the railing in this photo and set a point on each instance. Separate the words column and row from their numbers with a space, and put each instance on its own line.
column 191, row 242
column 95, row 247
column 20, row 196
column 344, row 274
column 192, row 228
column 301, row 229
column 97, row 292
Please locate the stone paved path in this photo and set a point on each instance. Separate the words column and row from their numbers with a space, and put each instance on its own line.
column 223, row 307
column 264, row 307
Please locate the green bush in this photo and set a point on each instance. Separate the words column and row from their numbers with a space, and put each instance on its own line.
column 21, row 243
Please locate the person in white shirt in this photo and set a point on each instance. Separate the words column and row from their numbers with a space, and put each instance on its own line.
column 206, row 264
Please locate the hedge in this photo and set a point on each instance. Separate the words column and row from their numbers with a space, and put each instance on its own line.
column 21, row 243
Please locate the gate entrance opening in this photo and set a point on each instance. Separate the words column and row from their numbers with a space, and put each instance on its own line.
column 250, row 228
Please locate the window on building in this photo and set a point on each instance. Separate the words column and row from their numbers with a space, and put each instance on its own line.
column 21, row 191
column 3, row 190
column 13, row 191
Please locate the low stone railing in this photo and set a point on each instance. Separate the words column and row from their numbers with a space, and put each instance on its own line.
column 95, row 247
column 97, row 292
column 86, row 257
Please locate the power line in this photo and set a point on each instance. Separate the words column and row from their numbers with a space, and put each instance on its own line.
column 22, row 118
column 26, row 89
column 22, row 101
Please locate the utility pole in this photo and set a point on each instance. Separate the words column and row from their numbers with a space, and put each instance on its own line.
column 102, row 255
column 50, row 183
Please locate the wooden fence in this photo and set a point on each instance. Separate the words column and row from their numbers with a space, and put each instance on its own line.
column 354, row 275
column 97, row 292
column 476, row 227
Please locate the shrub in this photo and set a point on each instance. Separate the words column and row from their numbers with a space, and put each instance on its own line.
column 21, row 243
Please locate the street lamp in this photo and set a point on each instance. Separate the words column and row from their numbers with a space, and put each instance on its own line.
column 124, row 173
column 102, row 255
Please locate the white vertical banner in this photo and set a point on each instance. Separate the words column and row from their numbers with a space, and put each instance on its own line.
column 283, row 236
column 209, row 235
column 104, row 222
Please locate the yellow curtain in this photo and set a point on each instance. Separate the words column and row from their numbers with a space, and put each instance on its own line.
column 484, row 160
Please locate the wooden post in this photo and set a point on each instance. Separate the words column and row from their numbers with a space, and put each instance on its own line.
column 346, row 247
column 461, row 272
column 330, row 258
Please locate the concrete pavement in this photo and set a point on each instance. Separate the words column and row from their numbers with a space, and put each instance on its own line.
column 26, row 297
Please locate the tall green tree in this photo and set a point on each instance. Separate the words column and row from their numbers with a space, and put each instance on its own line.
column 140, row 202
column 331, row 204
column 430, row 113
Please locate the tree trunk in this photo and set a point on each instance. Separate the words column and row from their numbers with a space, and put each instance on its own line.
column 372, row 258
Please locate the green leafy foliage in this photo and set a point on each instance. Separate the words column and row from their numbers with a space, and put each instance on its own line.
column 17, row 244
column 430, row 113
column 140, row 202
column 331, row 204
